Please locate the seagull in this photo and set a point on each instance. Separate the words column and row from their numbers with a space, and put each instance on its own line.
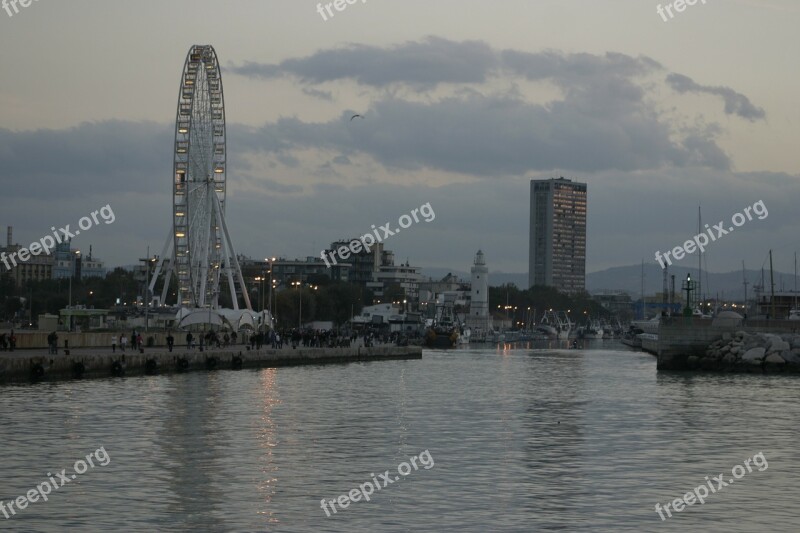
column 354, row 116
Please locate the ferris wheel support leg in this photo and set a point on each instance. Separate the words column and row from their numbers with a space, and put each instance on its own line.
column 167, row 277
column 161, row 259
column 226, row 254
column 234, row 259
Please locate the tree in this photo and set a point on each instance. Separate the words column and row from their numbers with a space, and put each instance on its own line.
column 12, row 305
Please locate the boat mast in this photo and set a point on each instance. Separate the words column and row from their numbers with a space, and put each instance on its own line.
column 745, row 283
column 699, row 260
column 643, row 303
column 772, row 285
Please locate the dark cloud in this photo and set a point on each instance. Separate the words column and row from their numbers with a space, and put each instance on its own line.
column 102, row 157
column 423, row 64
column 500, row 135
column 735, row 103
column 301, row 221
column 576, row 69
column 322, row 95
column 603, row 120
column 602, row 127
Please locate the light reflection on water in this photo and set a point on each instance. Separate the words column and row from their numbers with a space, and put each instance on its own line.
column 522, row 439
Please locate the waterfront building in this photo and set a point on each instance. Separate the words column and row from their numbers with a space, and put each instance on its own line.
column 285, row 271
column 281, row 273
column 63, row 261
column 364, row 265
column 785, row 301
column 69, row 263
column 88, row 267
column 405, row 276
column 36, row 268
column 617, row 302
column 449, row 283
column 557, row 239
column 450, row 288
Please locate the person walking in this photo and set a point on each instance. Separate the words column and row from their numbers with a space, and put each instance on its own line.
column 113, row 343
column 170, row 341
column 123, row 341
column 189, row 338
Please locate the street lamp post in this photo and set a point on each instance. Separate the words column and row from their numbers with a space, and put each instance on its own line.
column 273, row 287
column 300, row 298
column 259, row 298
column 147, row 261
column 271, row 267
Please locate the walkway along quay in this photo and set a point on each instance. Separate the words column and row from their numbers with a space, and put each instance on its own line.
column 38, row 365
column 727, row 345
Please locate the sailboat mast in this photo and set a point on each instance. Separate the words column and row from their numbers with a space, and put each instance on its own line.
column 643, row 303
column 772, row 284
column 744, row 281
column 699, row 257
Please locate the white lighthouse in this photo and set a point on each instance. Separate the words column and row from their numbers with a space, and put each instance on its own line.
column 479, row 295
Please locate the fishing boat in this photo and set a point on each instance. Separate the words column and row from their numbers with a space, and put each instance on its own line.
column 555, row 324
column 593, row 330
column 443, row 329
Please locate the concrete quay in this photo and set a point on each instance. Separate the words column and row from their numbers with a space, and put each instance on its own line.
column 37, row 365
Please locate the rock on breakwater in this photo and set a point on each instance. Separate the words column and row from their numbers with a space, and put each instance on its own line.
column 751, row 352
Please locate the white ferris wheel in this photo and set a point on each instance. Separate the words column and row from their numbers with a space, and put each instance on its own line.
column 199, row 250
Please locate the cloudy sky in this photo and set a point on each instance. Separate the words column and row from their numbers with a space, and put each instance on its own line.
column 463, row 102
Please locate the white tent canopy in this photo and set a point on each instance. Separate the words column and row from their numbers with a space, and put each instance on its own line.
column 232, row 318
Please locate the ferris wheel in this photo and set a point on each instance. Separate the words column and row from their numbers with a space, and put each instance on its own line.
column 202, row 257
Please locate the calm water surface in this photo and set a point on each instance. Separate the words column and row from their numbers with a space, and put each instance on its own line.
column 522, row 440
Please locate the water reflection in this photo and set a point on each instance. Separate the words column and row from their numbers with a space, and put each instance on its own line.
column 193, row 444
column 268, row 439
column 523, row 440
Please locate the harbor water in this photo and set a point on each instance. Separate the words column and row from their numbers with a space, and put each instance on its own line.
column 528, row 439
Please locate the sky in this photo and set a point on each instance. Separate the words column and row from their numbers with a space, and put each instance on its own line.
column 462, row 104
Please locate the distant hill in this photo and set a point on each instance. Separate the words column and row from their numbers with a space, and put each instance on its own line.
column 727, row 284
column 495, row 278
column 629, row 279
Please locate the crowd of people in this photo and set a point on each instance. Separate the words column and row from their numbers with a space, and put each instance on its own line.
column 307, row 338
column 275, row 339
column 8, row 341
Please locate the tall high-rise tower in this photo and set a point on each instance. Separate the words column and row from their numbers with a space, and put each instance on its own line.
column 557, row 254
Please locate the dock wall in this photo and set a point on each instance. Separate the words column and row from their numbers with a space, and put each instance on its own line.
column 26, row 367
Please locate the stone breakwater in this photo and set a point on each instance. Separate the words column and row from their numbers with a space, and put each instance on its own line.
column 751, row 352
